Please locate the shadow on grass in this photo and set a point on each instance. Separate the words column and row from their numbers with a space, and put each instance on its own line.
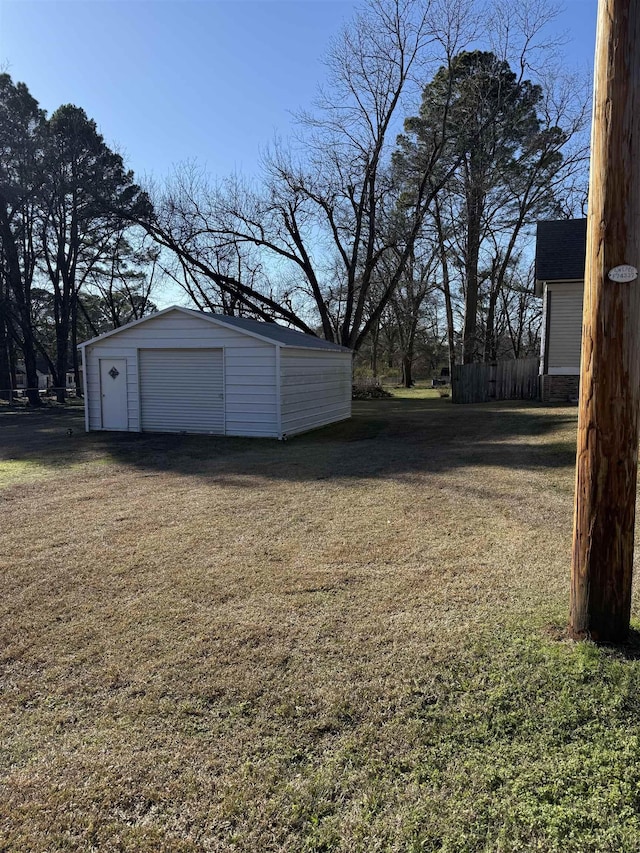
column 628, row 649
column 387, row 438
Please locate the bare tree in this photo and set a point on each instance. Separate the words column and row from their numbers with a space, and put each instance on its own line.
column 313, row 244
column 319, row 218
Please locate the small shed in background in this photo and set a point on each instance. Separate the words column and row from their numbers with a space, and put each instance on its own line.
column 185, row 371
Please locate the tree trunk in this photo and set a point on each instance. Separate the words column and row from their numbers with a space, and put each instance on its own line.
column 446, row 288
column 62, row 345
column 74, row 347
column 375, row 340
column 29, row 353
column 5, row 366
column 407, row 363
column 607, row 457
column 451, row 333
column 490, row 347
column 12, row 366
column 20, row 289
column 469, row 343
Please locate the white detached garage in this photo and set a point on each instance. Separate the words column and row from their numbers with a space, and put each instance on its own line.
column 188, row 372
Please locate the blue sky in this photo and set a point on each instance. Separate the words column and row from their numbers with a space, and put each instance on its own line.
column 172, row 80
column 169, row 81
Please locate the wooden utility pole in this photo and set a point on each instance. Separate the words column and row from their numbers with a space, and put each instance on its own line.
column 607, row 459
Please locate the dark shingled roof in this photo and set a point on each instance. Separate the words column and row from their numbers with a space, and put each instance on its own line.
column 279, row 334
column 561, row 249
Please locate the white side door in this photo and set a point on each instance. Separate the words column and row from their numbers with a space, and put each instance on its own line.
column 113, row 393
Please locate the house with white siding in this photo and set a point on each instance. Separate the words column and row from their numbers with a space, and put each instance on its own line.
column 560, row 262
column 45, row 380
column 185, row 371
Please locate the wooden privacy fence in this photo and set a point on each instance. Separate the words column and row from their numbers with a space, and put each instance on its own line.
column 502, row 380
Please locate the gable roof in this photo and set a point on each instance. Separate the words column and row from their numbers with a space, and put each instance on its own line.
column 561, row 249
column 271, row 332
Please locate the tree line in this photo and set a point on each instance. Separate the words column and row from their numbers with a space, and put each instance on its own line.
column 396, row 222
column 71, row 263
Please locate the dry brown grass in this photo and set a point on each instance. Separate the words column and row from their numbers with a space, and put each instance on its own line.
column 213, row 645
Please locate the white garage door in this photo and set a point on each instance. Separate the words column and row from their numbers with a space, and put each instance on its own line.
column 182, row 390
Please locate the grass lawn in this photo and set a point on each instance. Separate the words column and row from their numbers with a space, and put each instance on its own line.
column 351, row 641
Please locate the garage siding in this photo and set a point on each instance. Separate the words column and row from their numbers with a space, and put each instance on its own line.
column 315, row 388
column 250, row 369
